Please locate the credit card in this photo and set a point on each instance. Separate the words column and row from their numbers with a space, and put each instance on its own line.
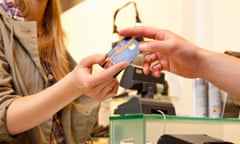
column 124, row 51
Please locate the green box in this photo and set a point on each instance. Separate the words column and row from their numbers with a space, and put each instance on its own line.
column 147, row 128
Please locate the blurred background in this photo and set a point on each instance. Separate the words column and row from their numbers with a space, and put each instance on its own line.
column 211, row 24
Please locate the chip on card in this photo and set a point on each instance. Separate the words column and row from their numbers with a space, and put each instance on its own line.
column 124, row 51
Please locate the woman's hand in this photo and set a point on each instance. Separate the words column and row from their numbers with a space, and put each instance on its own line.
column 98, row 86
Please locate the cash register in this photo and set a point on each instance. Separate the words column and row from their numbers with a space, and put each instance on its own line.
column 146, row 86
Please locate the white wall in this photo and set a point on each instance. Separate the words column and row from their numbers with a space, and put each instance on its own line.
column 89, row 25
column 226, row 25
column 211, row 24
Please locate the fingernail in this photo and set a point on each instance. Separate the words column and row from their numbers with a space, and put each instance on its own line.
column 126, row 64
column 143, row 46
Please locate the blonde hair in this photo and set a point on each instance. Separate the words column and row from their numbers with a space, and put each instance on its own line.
column 52, row 49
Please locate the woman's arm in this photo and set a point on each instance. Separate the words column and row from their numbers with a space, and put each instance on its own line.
column 27, row 112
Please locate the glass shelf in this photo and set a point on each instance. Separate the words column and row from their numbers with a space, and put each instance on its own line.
column 147, row 128
column 171, row 117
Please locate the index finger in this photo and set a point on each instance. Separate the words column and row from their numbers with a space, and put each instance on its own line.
column 115, row 69
column 93, row 59
column 109, row 73
column 142, row 31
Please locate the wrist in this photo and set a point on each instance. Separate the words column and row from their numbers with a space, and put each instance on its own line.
column 71, row 85
column 204, row 58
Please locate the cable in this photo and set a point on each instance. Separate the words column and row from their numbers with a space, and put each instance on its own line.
column 138, row 20
column 115, row 28
column 164, row 120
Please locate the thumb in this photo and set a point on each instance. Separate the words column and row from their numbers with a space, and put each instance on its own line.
column 93, row 59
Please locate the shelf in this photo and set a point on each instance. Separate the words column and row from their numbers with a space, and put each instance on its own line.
column 149, row 127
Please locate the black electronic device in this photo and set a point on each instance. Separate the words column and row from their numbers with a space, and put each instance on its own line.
column 134, row 78
column 190, row 139
column 146, row 106
column 146, row 85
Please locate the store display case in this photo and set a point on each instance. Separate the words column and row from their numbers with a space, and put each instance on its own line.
column 147, row 128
